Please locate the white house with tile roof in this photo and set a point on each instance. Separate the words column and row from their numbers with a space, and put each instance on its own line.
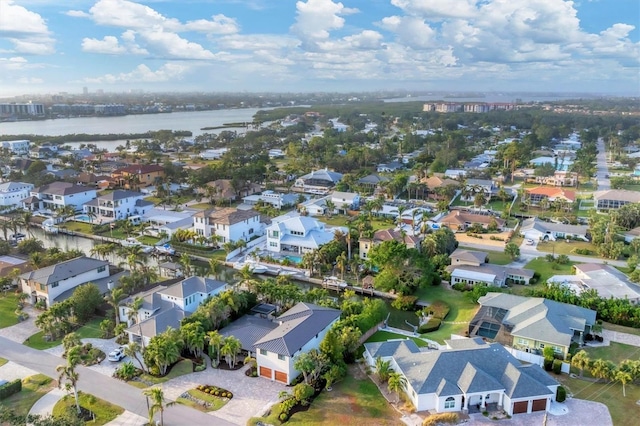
column 298, row 234
column 118, row 204
column 229, row 224
column 57, row 195
column 299, row 330
column 458, row 379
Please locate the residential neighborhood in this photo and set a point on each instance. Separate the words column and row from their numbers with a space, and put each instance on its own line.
column 438, row 267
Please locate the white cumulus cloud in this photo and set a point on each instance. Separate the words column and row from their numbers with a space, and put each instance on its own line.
column 27, row 30
column 143, row 74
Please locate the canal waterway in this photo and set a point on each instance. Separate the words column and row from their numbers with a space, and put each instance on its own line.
column 74, row 242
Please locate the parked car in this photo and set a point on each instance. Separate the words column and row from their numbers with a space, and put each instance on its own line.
column 116, row 355
column 529, row 242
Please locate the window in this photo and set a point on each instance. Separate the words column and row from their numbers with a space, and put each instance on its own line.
column 263, row 352
column 55, row 284
column 42, row 287
column 102, row 268
column 449, row 403
column 523, row 341
column 281, row 357
column 541, row 345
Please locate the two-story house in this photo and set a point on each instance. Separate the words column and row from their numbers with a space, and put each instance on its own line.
column 536, row 195
column 344, row 201
column 531, row 324
column 18, row 147
column 300, row 329
column 166, row 306
column 228, row 224
column 318, row 181
column 116, row 205
column 138, row 176
column 298, row 234
column 476, row 186
column 58, row 195
column 48, row 284
column 12, row 193
column 366, row 244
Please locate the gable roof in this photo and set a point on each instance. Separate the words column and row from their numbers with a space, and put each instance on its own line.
column 550, row 192
column 62, row 188
column 64, row 270
column 249, row 329
column 120, row 194
column 540, row 225
column 394, row 234
column 461, row 218
column 297, row 327
column 192, row 285
column 469, row 255
column 618, row 194
column 228, row 216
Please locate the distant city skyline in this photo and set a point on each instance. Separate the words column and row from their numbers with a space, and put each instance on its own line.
column 586, row 46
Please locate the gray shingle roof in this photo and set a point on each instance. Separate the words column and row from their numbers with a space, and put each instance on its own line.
column 169, row 316
column 192, row 285
column 249, row 329
column 540, row 319
column 120, row 194
column 297, row 326
column 64, row 270
column 480, row 369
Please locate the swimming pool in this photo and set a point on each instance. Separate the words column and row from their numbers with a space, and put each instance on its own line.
column 83, row 218
column 293, row 259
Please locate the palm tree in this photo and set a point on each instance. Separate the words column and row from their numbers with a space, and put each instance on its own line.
column 68, row 373
column 215, row 340
column 26, row 219
column 623, row 377
column 113, row 298
column 215, row 267
column 157, row 403
column 330, row 207
column 230, row 350
column 185, row 262
column 383, row 369
column 341, row 263
column 133, row 315
column 602, row 369
column 131, row 350
column 581, row 361
column 396, row 383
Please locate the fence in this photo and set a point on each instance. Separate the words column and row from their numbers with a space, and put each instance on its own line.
column 535, row 359
column 365, row 336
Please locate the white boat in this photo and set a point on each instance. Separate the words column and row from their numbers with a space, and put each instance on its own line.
column 131, row 242
column 166, row 249
column 257, row 268
column 334, row 281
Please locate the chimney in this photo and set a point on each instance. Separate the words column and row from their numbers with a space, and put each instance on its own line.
column 110, row 285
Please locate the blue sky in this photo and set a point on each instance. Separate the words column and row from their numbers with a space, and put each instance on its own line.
column 47, row 46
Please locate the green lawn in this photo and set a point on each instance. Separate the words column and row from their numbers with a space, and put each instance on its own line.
column 8, row 306
column 82, row 227
column 461, row 311
column 180, row 369
column 89, row 330
column 33, row 388
column 148, row 240
column 548, row 269
column 632, row 187
column 353, row 401
column 3, row 361
column 201, row 206
column 383, row 336
column 104, row 411
column 616, row 352
column 610, row 394
column 562, row 247
column 216, row 402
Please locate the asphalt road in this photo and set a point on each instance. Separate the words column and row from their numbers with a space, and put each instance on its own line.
column 112, row 390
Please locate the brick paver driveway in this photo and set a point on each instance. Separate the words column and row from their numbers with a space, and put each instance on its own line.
column 252, row 396
column 580, row 412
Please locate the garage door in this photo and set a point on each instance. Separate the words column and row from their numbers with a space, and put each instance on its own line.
column 265, row 372
column 539, row 405
column 281, row 377
column 520, row 407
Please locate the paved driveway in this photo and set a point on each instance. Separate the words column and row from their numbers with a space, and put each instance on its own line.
column 20, row 331
column 252, row 396
column 578, row 412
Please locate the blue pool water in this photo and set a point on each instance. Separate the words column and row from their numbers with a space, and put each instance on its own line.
column 83, row 218
column 294, row 259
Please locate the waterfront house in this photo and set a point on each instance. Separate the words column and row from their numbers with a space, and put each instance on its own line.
column 12, row 193
column 299, row 330
column 536, row 195
column 318, row 181
column 344, row 201
column 225, row 191
column 471, row 268
column 137, row 176
column 372, row 183
column 530, row 324
column 469, row 377
column 559, row 178
column 49, row 283
column 276, row 199
column 58, row 195
column 298, row 234
column 17, row 147
column 228, row 224
column 458, row 220
column 382, row 235
column 116, row 205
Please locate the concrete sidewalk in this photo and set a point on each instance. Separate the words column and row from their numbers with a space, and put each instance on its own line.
column 44, row 406
column 22, row 330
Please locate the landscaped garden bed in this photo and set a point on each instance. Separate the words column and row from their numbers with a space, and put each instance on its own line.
column 206, row 397
column 95, row 411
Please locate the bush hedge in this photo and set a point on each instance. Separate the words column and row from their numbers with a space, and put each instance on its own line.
column 439, row 309
column 557, row 366
column 437, row 419
column 10, row 388
column 548, row 364
column 561, row 394
column 405, row 303
column 432, row 325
